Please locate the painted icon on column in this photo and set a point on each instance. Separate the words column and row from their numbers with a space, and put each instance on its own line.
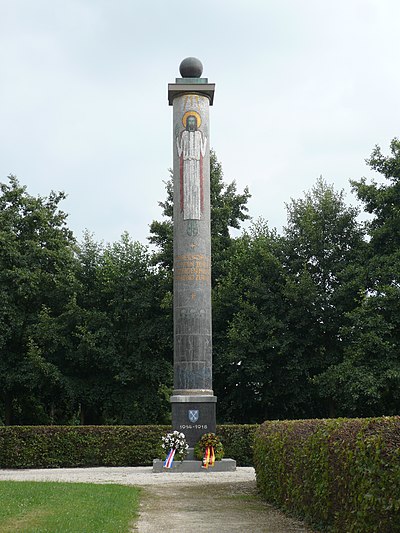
column 191, row 144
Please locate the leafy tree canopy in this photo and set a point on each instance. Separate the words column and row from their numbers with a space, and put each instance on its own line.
column 36, row 275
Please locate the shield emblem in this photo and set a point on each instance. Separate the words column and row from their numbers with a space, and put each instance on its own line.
column 193, row 415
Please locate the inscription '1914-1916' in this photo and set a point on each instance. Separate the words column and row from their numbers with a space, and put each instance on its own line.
column 192, row 267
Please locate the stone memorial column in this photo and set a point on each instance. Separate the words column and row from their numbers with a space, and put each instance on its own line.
column 193, row 401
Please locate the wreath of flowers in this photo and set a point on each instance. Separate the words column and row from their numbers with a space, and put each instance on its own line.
column 176, row 441
column 206, row 441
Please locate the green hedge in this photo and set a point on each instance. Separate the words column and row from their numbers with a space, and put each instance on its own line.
column 238, row 442
column 71, row 446
column 341, row 475
column 84, row 446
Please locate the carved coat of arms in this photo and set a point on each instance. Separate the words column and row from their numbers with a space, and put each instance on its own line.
column 193, row 415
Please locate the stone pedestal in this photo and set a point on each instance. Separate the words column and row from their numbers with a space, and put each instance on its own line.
column 225, row 465
column 194, row 416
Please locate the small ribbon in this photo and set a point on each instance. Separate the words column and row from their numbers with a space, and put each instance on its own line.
column 209, row 457
column 212, row 456
column 170, row 458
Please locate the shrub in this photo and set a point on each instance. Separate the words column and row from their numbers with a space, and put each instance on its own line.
column 340, row 474
column 238, row 442
column 72, row 446
column 84, row 446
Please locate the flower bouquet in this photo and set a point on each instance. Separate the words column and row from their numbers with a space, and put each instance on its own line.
column 209, row 449
column 174, row 446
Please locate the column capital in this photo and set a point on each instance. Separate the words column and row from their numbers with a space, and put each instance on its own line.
column 191, row 86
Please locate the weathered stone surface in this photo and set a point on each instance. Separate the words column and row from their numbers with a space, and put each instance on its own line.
column 192, row 244
column 193, row 401
column 225, row 465
column 194, row 418
column 191, row 67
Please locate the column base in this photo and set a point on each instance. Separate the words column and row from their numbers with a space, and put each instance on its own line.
column 193, row 415
column 225, row 465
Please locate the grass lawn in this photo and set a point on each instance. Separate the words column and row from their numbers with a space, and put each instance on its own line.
column 41, row 507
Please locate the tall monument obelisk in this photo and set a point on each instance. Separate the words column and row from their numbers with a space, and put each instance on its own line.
column 193, row 401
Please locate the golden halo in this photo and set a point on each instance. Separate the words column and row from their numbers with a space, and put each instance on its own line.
column 191, row 113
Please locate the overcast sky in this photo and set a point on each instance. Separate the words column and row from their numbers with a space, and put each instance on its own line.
column 303, row 88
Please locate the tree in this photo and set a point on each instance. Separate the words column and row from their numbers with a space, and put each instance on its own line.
column 249, row 310
column 382, row 201
column 324, row 243
column 284, row 299
column 111, row 344
column 36, row 274
column 367, row 382
column 133, row 297
column 84, row 349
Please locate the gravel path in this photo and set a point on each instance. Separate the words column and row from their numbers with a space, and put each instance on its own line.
column 183, row 502
column 142, row 475
column 217, row 507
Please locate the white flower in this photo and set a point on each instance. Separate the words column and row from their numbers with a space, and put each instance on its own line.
column 177, row 441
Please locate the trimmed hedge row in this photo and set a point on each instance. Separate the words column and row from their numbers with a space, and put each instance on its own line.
column 341, row 475
column 238, row 442
column 84, row 446
column 73, row 446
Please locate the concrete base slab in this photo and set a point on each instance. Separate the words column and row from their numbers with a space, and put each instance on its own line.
column 225, row 465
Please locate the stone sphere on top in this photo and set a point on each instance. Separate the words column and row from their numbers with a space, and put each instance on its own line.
column 191, row 67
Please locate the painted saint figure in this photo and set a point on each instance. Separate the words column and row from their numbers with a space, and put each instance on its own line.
column 191, row 145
